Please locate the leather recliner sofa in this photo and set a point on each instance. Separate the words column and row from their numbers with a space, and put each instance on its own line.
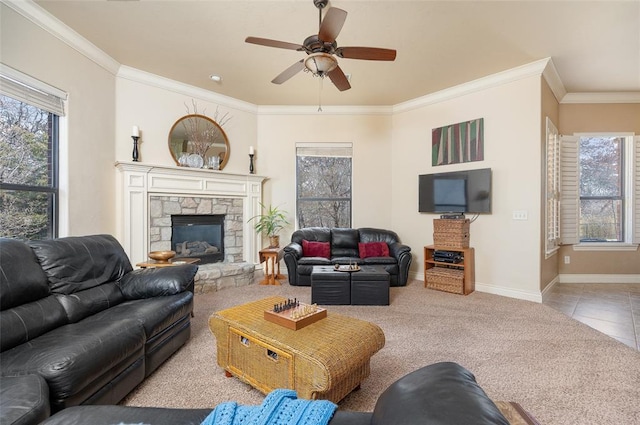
column 79, row 326
column 344, row 249
column 439, row 394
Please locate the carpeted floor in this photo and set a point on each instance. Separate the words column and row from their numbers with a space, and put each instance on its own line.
column 560, row 370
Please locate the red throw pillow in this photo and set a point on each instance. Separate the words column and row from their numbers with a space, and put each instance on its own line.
column 316, row 249
column 373, row 249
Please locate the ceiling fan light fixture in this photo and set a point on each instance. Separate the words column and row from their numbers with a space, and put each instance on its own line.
column 320, row 63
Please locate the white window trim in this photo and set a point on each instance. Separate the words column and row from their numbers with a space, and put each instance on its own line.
column 605, row 246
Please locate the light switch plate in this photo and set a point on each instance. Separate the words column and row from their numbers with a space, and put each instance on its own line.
column 520, row 215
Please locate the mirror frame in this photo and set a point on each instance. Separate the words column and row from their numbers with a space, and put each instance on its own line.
column 216, row 127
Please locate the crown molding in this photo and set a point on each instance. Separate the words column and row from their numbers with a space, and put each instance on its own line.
column 133, row 74
column 493, row 80
column 51, row 24
column 611, row 97
column 551, row 76
column 326, row 110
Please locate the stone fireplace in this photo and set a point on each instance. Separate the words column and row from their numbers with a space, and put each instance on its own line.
column 187, row 224
column 152, row 195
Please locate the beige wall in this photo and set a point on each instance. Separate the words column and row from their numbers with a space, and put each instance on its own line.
column 581, row 118
column 86, row 147
column 373, row 151
column 155, row 110
column 507, row 252
column 550, row 108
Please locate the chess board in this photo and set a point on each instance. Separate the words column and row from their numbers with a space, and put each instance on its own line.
column 284, row 318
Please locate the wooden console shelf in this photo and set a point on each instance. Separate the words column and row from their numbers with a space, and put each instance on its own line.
column 458, row 278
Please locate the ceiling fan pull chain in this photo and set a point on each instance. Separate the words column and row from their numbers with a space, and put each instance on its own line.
column 320, row 94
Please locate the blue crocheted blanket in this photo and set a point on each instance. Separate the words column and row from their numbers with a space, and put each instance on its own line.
column 280, row 407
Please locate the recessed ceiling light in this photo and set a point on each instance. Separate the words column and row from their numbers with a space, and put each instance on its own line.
column 215, row 78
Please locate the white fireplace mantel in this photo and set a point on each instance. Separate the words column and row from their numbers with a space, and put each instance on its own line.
column 138, row 182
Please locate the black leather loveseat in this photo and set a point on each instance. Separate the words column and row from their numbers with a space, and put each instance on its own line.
column 79, row 326
column 439, row 394
column 345, row 246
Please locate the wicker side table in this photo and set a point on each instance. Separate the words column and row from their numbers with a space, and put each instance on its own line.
column 325, row 360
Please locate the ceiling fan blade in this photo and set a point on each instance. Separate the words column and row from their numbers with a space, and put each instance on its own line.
column 332, row 24
column 273, row 43
column 339, row 79
column 367, row 53
column 289, row 72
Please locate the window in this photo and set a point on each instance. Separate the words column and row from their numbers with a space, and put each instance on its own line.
column 29, row 119
column 602, row 182
column 599, row 172
column 323, row 184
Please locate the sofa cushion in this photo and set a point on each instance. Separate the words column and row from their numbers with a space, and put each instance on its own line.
column 78, row 356
column 157, row 282
column 373, row 249
column 344, row 242
column 154, row 314
column 439, row 394
column 82, row 304
column 316, row 249
column 74, row 264
column 369, row 234
column 25, row 322
column 319, row 234
column 21, row 278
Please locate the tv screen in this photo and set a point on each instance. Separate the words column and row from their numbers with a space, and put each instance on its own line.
column 466, row 191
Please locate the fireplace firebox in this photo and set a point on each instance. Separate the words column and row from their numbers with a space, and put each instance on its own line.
column 198, row 236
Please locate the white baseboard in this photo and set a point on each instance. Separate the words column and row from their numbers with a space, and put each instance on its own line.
column 600, row 278
column 520, row 294
column 496, row 290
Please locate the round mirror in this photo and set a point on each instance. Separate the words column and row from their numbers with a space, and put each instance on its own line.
column 198, row 141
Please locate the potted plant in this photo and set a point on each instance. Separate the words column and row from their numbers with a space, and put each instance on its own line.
column 270, row 222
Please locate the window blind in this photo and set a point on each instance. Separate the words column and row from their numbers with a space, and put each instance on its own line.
column 569, row 190
column 324, row 149
column 552, row 213
column 32, row 91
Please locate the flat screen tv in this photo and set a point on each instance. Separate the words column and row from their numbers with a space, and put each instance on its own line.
column 466, row 191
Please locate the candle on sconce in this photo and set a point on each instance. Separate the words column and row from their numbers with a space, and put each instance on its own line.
column 135, row 132
column 251, row 160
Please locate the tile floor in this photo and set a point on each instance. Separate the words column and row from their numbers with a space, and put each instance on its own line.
column 611, row 308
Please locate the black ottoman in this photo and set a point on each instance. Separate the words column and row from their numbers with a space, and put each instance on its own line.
column 370, row 286
column 329, row 286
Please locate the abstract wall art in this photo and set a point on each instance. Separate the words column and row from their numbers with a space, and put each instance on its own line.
column 456, row 143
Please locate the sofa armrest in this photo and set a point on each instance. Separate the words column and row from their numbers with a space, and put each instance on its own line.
column 439, row 394
column 402, row 253
column 292, row 253
column 157, row 282
column 294, row 249
column 397, row 249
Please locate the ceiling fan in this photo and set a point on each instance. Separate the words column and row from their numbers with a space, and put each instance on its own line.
column 322, row 49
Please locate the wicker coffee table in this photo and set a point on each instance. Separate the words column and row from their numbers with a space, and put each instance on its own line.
column 325, row 360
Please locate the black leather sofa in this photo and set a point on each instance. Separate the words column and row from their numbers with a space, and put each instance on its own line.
column 344, row 249
column 79, row 326
column 439, row 394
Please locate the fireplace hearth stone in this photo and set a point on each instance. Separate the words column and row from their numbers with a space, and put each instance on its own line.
column 216, row 276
